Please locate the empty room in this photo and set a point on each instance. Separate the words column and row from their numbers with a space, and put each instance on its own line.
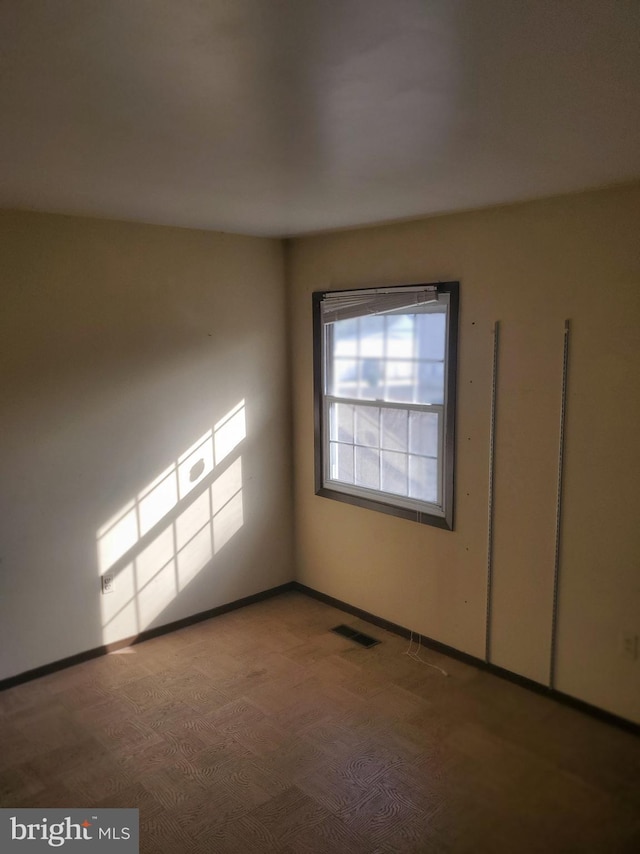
column 319, row 406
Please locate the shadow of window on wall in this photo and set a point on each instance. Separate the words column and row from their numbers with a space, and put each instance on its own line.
column 173, row 528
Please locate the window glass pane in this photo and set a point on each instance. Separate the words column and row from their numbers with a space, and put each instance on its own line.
column 341, row 417
column 423, row 479
column 395, row 424
column 394, row 472
column 367, row 468
column 345, row 378
column 430, row 384
column 400, row 381
column 378, row 357
column 371, row 379
column 345, row 338
column 342, row 462
column 430, row 335
column 412, row 382
column 401, row 336
column 371, row 334
column 423, row 433
column 367, row 430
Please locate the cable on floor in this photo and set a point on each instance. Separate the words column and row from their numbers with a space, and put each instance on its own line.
column 415, row 654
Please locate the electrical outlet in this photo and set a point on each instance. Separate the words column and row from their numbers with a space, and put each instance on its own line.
column 108, row 583
column 629, row 645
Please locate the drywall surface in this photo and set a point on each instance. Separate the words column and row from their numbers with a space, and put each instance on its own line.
column 145, row 429
column 530, row 266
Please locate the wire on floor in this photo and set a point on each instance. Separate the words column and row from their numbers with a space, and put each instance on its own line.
column 415, row 654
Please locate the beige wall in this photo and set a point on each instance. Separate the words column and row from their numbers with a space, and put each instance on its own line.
column 529, row 266
column 120, row 346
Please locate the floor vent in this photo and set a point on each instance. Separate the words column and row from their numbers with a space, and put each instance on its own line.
column 355, row 635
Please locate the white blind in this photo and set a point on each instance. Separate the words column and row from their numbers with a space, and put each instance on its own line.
column 350, row 304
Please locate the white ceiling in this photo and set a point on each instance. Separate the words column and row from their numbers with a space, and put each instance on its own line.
column 280, row 117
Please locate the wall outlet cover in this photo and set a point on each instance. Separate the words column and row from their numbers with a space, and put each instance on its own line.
column 108, row 583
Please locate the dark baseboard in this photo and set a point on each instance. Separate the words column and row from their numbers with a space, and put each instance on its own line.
column 523, row 681
column 46, row 669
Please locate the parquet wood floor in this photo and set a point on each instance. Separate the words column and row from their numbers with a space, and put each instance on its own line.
column 261, row 731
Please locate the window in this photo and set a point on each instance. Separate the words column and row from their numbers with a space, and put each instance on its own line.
column 384, row 374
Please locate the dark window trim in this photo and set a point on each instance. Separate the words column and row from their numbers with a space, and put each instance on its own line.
column 446, row 521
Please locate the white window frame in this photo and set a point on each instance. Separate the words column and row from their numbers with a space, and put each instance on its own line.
column 328, row 305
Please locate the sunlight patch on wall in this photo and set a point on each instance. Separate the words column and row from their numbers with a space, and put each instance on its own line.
column 155, row 577
column 195, row 464
column 118, row 536
column 229, row 432
column 157, row 499
column 201, row 510
column 227, row 510
column 193, row 539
